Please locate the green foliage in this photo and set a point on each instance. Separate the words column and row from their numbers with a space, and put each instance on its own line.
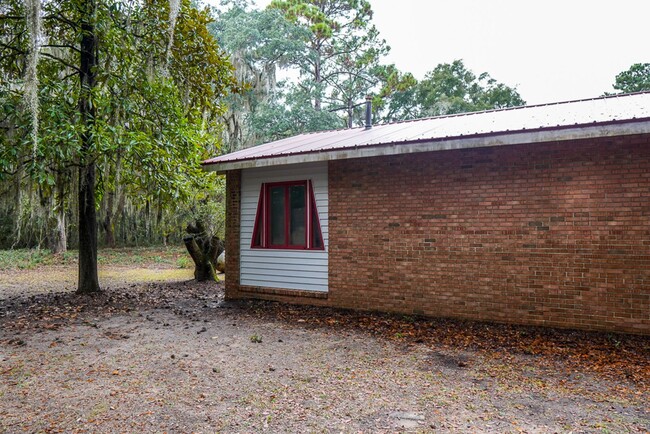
column 207, row 206
column 258, row 37
column 635, row 79
column 156, row 115
column 293, row 114
column 33, row 258
column 160, row 112
column 258, row 43
column 334, row 55
column 342, row 47
column 452, row 88
column 184, row 262
column 146, row 257
column 396, row 99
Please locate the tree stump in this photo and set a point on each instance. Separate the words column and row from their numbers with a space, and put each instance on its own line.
column 204, row 250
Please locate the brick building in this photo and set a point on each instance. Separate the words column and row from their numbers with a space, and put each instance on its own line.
column 533, row 215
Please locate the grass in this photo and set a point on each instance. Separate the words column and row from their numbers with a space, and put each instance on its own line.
column 33, row 258
column 154, row 257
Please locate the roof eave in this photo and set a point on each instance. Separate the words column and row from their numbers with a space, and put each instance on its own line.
column 611, row 129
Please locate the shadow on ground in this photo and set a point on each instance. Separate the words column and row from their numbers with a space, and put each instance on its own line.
column 176, row 357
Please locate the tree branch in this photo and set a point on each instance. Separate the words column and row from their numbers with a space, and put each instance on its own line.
column 62, row 19
column 63, row 46
column 69, row 75
column 11, row 47
column 69, row 65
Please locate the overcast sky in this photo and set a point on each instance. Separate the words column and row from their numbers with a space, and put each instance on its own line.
column 551, row 50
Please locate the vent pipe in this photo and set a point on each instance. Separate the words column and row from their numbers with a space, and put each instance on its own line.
column 368, row 112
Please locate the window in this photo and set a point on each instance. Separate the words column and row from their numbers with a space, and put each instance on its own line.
column 287, row 217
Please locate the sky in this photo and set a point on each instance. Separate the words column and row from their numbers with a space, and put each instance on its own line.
column 550, row 50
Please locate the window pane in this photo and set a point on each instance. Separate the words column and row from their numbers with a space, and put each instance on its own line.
column 298, row 214
column 316, row 235
column 277, row 216
column 257, row 238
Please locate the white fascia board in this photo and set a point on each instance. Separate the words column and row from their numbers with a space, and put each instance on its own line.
column 501, row 139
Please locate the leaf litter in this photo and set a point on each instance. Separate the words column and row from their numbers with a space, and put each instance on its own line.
column 175, row 357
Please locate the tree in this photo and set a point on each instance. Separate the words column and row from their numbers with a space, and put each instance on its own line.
column 258, row 44
column 204, row 249
column 88, row 63
column 396, row 100
column 635, row 79
column 353, row 74
column 291, row 112
column 132, row 91
column 452, row 88
column 342, row 48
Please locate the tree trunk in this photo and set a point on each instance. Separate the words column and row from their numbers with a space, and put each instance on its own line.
column 109, row 229
column 350, row 113
column 60, row 241
column 204, row 251
column 317, row 80
column 88, row 278
column 108, row 224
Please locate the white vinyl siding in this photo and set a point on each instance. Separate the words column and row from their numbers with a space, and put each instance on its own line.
column 279, row 268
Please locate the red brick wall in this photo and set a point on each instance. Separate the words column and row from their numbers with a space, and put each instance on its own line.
column 546, row 234
column 233, row 217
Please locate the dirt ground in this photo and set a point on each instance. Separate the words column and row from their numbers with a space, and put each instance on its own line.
column 156, row 352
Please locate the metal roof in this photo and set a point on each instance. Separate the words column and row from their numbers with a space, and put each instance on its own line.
column 597, row 117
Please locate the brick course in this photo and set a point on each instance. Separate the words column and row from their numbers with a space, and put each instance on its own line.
column 553, row 234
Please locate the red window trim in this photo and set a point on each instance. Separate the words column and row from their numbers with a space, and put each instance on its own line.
column 262, row 218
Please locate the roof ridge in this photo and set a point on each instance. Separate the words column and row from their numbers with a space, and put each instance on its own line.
column 519, row 107
column 503, row 109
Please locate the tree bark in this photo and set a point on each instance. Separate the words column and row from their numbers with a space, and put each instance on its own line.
column 111, row 215
column 88, row 278
column 317, row 79
column 204, row 251
column 109, row 229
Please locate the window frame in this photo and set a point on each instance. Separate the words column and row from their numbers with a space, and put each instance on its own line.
column 262, row 225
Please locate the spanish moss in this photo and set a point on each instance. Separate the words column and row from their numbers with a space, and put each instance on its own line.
column 33, row 17
column 174, row 10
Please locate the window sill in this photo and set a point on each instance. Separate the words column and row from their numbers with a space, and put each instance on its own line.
column 293, row 249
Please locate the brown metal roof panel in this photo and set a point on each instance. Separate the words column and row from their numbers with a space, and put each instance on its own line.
column 585, row 112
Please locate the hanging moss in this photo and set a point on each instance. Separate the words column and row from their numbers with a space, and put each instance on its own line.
column 34, row 27
column 174, row 10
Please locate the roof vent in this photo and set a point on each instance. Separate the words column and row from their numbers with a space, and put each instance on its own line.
column 368, row 112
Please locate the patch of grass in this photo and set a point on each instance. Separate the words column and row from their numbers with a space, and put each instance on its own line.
column 97, row 410
column 29, row 259
column 142, row 256
column 184, row 262
column 156, row 257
